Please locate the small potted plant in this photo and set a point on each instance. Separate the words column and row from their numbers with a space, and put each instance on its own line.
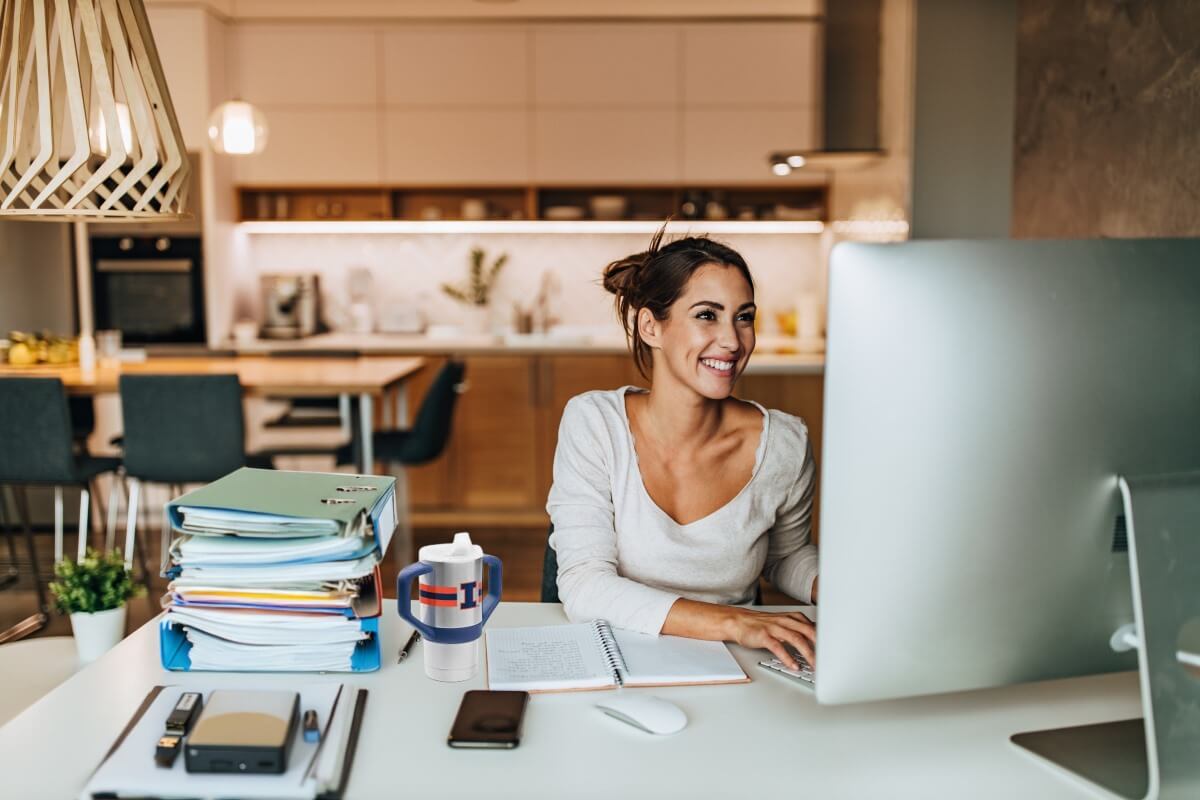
column 94, row 592
column 476, row 292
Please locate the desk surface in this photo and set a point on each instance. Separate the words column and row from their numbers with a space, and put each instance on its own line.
column 765, row 738
column 258, row 375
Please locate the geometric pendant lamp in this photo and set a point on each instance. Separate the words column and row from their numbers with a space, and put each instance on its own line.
column 87, row 127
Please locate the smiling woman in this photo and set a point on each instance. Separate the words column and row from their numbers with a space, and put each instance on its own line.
column 669, row 504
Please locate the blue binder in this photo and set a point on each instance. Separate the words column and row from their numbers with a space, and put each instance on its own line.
column 174, row 648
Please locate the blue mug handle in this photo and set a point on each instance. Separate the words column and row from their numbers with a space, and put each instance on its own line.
column 404, row 595
column 495, row 581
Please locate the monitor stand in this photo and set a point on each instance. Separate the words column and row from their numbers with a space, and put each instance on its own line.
column 1156, row 757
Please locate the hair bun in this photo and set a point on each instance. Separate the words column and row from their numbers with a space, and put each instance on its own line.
column 621, row 276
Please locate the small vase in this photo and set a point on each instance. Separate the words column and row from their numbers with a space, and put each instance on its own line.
column 97, row 632
column 476, row 320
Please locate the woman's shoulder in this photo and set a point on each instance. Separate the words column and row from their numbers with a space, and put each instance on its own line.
column 786, row 428
column 597, row 409
column 606, row 402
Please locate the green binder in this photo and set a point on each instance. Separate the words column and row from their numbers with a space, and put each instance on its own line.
column 280, row 503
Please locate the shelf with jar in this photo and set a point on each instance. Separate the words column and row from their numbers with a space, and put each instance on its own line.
column 743, row 203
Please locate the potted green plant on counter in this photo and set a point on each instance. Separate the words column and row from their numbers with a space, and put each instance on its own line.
column 476, row 292
column 93, row 591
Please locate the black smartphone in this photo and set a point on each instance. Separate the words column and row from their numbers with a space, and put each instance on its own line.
column 489, row 719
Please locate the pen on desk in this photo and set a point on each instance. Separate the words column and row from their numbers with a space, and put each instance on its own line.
column 416, row 637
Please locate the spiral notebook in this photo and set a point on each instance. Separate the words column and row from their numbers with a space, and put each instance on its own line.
column 594, row 655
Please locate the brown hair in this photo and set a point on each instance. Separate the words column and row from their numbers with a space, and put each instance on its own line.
column 656, row 277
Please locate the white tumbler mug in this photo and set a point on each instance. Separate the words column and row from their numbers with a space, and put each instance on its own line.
column 452, row 610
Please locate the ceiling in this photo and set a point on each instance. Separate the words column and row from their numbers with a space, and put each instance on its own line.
column 504, row 9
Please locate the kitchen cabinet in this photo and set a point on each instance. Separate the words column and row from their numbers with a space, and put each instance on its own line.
column 431, row 485
column 456, row 66
column 446, row 104
column 330, row 146
column 606, row 65
column 279, row 64
column 732, row 144
column 498, row 439
column 614, row 145
column 316, row 204
column 643, row 201
column 456, row 146
column 756, row 64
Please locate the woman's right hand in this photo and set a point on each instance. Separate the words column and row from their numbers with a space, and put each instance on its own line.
column 773, row 631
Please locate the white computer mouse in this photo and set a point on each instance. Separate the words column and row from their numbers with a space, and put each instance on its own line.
column 651, row 714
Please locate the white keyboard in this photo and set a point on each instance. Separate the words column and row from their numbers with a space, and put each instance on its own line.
column 804, row 675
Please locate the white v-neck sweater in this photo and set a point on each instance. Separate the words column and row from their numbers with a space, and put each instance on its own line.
column 623, row 559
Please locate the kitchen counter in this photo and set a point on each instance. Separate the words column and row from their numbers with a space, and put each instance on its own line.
column 774, row 355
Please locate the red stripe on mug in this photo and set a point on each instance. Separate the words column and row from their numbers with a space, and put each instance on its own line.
column 429, row 587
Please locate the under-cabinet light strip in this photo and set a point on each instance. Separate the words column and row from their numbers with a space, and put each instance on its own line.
column 530, row 226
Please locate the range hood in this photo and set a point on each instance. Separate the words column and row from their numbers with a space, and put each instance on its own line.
column 851, row 90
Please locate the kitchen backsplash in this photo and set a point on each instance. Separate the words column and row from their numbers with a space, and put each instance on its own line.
column 406, row 271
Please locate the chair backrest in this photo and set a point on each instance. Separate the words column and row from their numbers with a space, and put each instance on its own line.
column 35, row 432
column 430, row 430
column 549, row 571
column 182, row 428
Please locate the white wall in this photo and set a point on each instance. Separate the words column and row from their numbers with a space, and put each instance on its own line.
column 409, row 268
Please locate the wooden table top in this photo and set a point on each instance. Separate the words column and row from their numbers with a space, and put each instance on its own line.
column 282, row 377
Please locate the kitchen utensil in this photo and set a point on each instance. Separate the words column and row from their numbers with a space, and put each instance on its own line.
column 608, row 206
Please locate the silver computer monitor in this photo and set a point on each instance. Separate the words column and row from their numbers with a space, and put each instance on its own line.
column 981, row 398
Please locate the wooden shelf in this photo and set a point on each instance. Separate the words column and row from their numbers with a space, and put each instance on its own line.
column 760, row 202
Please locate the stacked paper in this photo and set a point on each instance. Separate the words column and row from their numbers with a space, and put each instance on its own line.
column 258, row 590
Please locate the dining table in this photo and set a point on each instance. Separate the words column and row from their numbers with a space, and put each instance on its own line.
column 360, row 378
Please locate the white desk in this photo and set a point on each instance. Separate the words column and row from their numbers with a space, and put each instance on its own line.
column 765, row 739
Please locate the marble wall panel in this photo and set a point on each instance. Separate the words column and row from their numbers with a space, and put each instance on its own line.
column 1107, row 119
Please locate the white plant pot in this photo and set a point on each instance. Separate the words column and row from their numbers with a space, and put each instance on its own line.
column 96, row 633
column 476, row 320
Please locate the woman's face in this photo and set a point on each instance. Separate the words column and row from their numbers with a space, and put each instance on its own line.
column 708, row 335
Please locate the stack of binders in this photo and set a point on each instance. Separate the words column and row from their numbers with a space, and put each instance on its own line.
column 274, row 571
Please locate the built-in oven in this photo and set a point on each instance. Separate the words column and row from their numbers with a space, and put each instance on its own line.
column 150, row 287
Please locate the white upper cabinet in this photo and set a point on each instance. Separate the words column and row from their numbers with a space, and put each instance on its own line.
column 310, row 65
column 316, row 146
column 460, row 146
column 731, row 145
column 552, row 103
column 425, row 65
column 752, row 64
column 606, row 65
column 606, row 146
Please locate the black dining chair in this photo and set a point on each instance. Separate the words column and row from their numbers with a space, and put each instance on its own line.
column 181, row 429
column 39, row 449
column 419, row 444
column 430, row 431
column 550, row 571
